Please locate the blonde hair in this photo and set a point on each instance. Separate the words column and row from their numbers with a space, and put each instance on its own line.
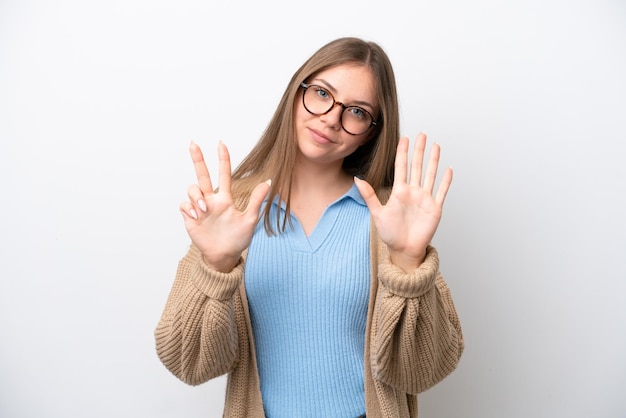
column 274, row 154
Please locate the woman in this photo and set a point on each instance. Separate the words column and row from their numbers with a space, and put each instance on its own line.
column 310, row 279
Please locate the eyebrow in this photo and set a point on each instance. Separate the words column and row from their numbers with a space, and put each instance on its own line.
column 334, row 90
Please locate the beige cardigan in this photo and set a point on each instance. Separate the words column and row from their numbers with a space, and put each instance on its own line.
column 413, row 335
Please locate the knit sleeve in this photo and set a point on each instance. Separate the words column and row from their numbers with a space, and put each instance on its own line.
column 196, row 337
column 417, row 338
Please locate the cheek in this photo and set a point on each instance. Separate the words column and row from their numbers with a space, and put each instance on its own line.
column 355, row 143
column 300, row 114
column 372, row 135
column 364, row 139
column 298, row 106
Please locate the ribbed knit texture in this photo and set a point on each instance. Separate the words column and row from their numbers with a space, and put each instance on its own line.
column 413, row 336
column 308, row 299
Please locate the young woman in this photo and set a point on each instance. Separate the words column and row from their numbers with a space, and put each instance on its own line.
column 310, row 279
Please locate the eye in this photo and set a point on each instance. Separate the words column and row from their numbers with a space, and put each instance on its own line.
column 322, row 93
column 357, row 112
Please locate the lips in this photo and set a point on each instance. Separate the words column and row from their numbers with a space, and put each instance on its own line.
column 320, row 137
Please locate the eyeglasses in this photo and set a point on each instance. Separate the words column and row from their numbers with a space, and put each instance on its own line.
column 318, row 101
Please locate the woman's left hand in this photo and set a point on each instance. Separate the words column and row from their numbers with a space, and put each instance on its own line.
column 408, row 221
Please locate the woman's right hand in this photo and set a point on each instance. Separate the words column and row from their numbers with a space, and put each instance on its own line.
column 216, row 227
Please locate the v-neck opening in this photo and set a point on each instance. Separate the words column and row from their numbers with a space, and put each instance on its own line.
column 312, row 242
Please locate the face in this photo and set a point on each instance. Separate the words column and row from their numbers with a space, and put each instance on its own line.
column 321, row 138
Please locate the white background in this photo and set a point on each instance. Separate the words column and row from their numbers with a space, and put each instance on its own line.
column 99, row 101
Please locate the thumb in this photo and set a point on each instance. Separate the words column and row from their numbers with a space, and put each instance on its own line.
column 369, row 195
column 256, row 198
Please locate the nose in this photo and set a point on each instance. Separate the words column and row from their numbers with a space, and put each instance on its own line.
column 334, row 115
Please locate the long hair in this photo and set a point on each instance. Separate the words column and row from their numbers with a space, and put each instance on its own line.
column 274, row 155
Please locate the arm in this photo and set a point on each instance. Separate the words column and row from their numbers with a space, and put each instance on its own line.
column 197, row 337
column 417, row 338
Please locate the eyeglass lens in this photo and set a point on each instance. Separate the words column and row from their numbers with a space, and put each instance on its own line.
column 318, row 101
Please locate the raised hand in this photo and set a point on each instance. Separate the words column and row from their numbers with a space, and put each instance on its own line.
column 215, row 225
column 408, row 221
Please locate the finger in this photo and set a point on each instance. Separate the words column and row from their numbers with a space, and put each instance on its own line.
column 187, row 210
column 196, row 196
column 417, row 161
column 256, row 199
column 400, row 167
column 444, row 186
column 431, row 169
column 225, row 175
column 202, row 173
column 369, row 195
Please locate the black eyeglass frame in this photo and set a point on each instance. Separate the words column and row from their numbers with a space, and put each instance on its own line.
column 305, row 86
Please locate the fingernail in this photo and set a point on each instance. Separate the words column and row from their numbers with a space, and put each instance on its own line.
column 202, row 205
column 268, row 182
column 193, row 214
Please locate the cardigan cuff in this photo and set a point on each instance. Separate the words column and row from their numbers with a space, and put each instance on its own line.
column 215, row 284
column 413, row 284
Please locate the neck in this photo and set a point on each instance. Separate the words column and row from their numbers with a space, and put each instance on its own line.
column 315, row 180
column 315, row 187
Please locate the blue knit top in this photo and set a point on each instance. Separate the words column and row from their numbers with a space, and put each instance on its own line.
column 308, row 299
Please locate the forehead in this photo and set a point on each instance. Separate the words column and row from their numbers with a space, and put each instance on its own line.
column 351, row 81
